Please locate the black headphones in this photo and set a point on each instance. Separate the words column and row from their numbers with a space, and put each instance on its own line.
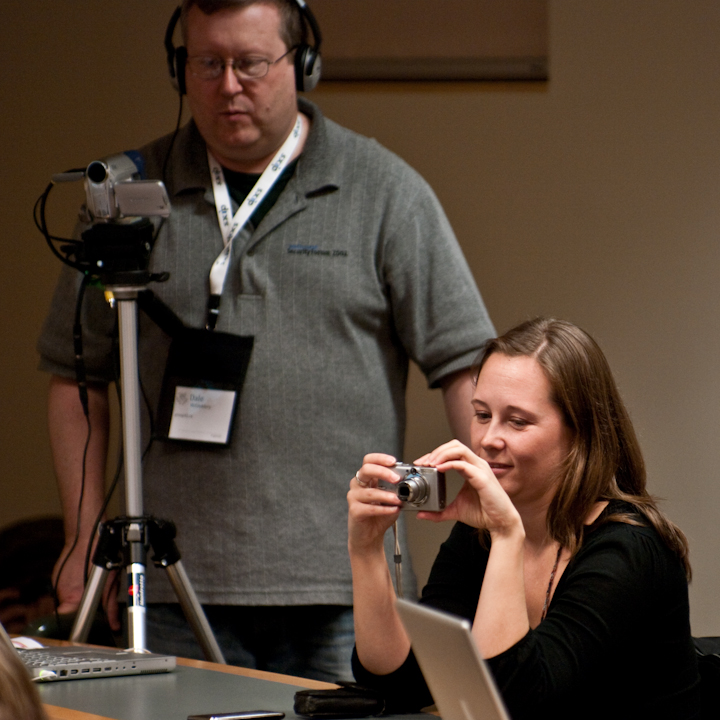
column 308, row 63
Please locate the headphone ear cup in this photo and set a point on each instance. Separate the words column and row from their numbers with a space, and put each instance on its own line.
column 179, row 68
column 176, row 62
column 307, row 68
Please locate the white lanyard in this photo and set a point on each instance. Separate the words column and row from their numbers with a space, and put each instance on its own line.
column 230, row 227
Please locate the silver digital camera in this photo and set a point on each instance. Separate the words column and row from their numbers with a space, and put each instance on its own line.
column 420, row 488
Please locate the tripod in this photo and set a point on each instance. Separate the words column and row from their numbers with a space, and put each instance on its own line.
column 125, row 541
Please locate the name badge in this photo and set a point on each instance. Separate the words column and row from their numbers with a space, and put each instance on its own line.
column 202, row 414
column 202, row 386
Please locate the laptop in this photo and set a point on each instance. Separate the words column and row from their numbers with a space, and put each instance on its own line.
column 49, row 664
column 458, row 678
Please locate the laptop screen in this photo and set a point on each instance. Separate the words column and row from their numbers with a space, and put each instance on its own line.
column 458, row 677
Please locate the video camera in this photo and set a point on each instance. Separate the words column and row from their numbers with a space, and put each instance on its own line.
column 114, row 189
column 118, row 204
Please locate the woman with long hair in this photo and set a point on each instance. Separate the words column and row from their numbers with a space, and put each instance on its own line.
column 574, row 580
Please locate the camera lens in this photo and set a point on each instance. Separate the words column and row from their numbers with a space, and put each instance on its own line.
column 413, row 488
column 97, row 171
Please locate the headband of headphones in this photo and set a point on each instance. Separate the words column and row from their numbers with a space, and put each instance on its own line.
column 307, row 57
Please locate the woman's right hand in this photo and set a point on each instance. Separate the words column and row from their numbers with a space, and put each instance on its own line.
column 371, row 511
column 381, row 642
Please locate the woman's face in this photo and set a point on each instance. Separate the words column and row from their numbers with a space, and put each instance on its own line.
column 517, row 429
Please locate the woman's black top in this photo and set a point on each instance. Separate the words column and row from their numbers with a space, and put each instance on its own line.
column 615, row 643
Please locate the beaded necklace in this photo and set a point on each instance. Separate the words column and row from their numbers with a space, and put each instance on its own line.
column 552, row 578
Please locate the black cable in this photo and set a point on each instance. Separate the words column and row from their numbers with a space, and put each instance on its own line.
column 172, row 140
column 151, row 419
column 76, row 539
column 80, row 374
column 118, row 469
column 158, row 229
column 41, row 223
column 82, row 390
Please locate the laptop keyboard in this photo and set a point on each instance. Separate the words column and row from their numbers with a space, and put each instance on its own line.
column 40, row 658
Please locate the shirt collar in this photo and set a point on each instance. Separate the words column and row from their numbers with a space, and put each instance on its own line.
column 318, row 169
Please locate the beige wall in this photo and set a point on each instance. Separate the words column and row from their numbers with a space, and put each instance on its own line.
column 594, row 198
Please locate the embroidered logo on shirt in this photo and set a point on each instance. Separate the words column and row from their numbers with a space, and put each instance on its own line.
column 315, row 250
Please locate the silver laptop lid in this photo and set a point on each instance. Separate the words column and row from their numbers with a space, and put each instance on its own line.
column 458, row 678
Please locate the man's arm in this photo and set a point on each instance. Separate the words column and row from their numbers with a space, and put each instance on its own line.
column 68, row 437
column 457, row 391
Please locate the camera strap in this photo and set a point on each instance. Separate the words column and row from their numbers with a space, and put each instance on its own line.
column 231, row 226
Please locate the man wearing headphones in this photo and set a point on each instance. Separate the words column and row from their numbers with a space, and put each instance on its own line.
column 334, row 259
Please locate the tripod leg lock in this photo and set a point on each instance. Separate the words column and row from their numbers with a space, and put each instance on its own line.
column 162, row 539
column 109, row 551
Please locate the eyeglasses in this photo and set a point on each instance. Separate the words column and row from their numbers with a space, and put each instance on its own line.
column 245, row 68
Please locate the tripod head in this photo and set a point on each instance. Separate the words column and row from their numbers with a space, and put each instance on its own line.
column 118, row 254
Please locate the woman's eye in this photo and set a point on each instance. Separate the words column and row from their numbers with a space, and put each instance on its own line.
column 518, row 422
column 482, row 416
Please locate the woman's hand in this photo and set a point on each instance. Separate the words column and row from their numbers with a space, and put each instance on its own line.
column 481, row 502
column 371, row 511
column 381, row 642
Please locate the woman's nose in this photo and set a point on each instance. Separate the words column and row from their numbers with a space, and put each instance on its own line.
column 492, row 437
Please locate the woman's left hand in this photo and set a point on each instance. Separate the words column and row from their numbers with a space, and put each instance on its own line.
column 481, row 502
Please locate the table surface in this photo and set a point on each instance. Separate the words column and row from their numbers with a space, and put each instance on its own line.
column 195, row 687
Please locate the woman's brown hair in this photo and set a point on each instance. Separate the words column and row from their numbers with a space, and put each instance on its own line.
column 19, row 698
column 605, row 461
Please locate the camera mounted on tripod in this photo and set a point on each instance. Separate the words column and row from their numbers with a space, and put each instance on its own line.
column 118, row 206
column 115, row 250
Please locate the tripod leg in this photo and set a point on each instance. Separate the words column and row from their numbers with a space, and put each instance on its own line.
column 194, row 612
column 88, row 604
